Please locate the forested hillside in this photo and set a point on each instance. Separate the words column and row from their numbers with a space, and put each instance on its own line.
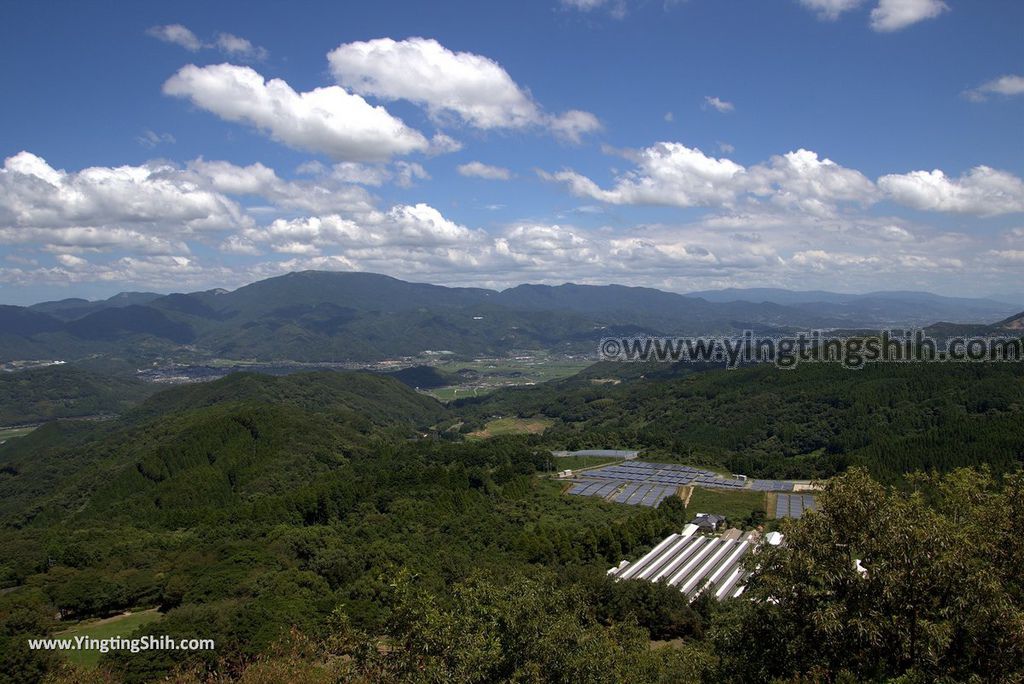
column 253, row 505
column 65, row 392
column 812, row 421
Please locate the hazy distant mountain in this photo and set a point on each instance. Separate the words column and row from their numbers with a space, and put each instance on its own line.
column 1010, row 326
column 328, row 316
column 70, row 309
column 873, row 308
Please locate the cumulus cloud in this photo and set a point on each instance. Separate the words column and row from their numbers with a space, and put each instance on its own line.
column 830, row 10
column 982, row 190
column 463, row 86
column 718, row 104
column 667, row 174
column 1007, row 86
column 328, row 120
column 800, row 180
column 327, row 191
column 400, row 228
column 672, row 174
column 475, row 169
column 35, row 195
column 893, row 15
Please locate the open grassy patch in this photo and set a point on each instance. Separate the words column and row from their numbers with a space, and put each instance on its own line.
column 735, row 506
column 119, row 625
column 11, row 433
column 512, row 426
column 577, row 462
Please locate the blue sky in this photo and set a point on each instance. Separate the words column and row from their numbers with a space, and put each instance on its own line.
column 849, row 145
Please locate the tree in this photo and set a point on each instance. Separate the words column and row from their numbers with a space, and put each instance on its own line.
column 884, row 583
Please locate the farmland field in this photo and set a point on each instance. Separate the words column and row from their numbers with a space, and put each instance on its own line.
column 483, row 376
column 11, row 433
column 119, row 625
column 735, row 505
column 512, row 426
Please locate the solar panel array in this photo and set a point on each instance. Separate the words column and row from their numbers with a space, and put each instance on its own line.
column 793, row 505
column 632, row 493
column 771, row 485
column 664, row 473
column 663, row 479
column 693, row 564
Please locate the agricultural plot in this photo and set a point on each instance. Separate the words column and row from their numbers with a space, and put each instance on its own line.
column 793, row 505
column 117, row 626
column 11, row 433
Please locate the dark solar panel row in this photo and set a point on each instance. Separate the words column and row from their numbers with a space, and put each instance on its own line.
column 624, row 495
column 793, row 505
column 771, row 486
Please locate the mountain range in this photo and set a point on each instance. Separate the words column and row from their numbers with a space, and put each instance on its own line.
column 322, row 316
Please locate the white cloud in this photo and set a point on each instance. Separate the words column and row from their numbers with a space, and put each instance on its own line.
column 573, row 125
column 327, row 192
column 893, row 15
column 1008, row 86
column 176, row 34
column 667, row 174
column 617, row 8
column 477, row 169
column 799, row 180
column 470, row 88
column 364, row 174
column 423, row 71
column 407, row 173
column 71, row 260
column 718, row 104
column 726, row 148
column 229, row 44
column 1013, row 257
column 982, row 190
column 672, row 174
column 92, row 239
column 34, row 194
column 400, row 229
column 240, row 48
column 442, row 143
column 830, row 10
column 326, row 120
column 236, row 244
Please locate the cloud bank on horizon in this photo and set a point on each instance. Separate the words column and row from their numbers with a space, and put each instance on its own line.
column 423, row 160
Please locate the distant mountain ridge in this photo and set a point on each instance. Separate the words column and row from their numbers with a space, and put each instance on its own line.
column 900, row 307
column 338, row 316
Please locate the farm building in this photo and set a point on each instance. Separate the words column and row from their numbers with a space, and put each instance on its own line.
column 708, row 522
column 694, row 563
